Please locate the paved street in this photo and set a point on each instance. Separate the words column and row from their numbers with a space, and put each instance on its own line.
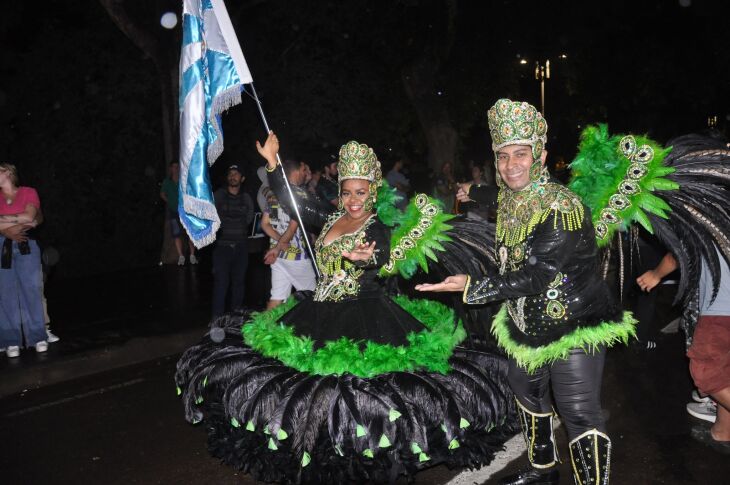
column 100, row 407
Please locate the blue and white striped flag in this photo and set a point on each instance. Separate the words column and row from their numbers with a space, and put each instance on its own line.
column 212, row 74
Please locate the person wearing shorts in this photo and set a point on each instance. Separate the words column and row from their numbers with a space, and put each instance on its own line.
column 170, row 193
column 709, row 355
column 291, row 266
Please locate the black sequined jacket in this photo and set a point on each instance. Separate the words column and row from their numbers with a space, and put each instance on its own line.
column 550, row 282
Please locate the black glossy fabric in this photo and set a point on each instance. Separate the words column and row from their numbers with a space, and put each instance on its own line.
column 369, row 315
column 376, row 318
column 313, row 210
column 576, row 385
column 484, row 195
column 550, row 250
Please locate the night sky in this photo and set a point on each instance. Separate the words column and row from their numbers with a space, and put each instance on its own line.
column 81, row 104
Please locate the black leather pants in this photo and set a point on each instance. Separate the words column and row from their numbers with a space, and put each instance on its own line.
column 576, row 384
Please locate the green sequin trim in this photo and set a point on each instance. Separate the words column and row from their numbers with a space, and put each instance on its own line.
column 586, row 338
column 339, row 276
column 428, row 350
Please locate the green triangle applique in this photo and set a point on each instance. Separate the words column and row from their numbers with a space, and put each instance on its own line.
column 272, row 445
column 463, row 423
column 266, row 429
column 393, row 415
column 454, row 444
column 235, row 423
column 281, row 434
column 178, row 390
column 198, row 399
column 205, row 381
column 306, row 459
column 415, row 448
column 360, row 431
column 250, row 426
column 384, row 441
column 423, row 457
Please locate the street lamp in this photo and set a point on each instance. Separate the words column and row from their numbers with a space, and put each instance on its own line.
column 542, row 72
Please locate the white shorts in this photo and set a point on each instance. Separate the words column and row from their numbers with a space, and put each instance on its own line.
column 286, row 273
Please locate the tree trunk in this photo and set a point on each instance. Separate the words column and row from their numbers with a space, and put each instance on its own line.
column 419, row 81
column 167, row 74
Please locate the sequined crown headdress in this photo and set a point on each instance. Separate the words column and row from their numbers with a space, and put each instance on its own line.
column 358, row 161
column 517, row 123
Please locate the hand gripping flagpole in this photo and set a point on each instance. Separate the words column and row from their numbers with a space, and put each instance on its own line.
column 288, row 186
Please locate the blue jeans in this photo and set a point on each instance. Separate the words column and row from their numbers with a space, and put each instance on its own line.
column 230, row 261
column 21, row 298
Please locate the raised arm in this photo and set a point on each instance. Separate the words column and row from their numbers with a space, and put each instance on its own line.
column 313, row 210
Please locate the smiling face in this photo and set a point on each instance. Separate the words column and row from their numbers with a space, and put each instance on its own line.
column 513, row 165
column 354, row 193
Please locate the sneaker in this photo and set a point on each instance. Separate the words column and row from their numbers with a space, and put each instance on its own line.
column 52, row 337
column 181, row 260
column 706, row 411
column 41, row 346
column 650, row 345
column 193, row 259
column 697, row 398
column 13, row 351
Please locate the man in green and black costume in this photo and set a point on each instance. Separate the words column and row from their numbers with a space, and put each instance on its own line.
column 557, row 317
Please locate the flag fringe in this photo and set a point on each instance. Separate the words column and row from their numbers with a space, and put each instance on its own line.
column 202, row 210
column 223, row 101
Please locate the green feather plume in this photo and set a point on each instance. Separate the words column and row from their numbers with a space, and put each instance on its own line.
column 600, row 167
column 385, row 207
column 425, row 246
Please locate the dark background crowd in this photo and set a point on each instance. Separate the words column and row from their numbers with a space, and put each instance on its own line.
column 88, row 97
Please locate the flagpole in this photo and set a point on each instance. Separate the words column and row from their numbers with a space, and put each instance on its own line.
column 288, row 187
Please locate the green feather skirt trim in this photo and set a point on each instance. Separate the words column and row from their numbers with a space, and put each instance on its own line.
column 429, row 350
column 586, row 338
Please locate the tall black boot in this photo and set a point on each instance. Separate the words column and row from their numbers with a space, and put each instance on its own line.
column 590, row 457
column 537, row 429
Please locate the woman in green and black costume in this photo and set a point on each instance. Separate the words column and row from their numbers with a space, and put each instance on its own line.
column 557, row 317
column 351, row 383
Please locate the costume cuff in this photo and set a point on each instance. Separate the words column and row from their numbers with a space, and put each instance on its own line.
column 480, row 291
column 271, row 169
column 466, row 288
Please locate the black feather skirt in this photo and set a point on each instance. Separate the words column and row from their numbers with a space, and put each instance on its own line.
column 286, row 425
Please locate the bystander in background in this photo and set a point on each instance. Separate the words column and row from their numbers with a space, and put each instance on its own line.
column 22, row 321
column 230, row 253
column 399, row 182
column 291, row 266
column 170, row 193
